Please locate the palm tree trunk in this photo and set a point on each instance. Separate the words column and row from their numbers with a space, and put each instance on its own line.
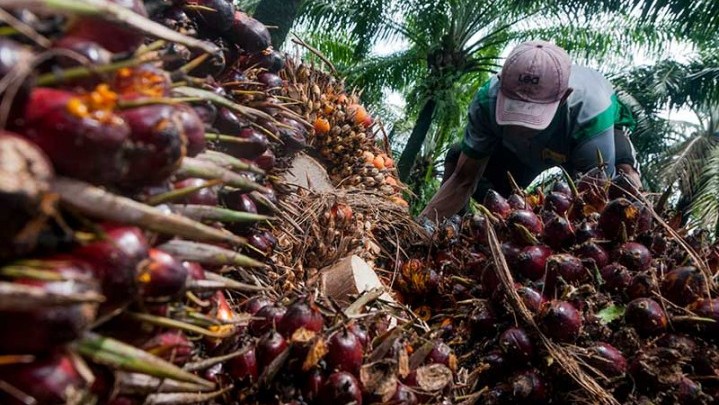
column 416, row 139
column 280, row 14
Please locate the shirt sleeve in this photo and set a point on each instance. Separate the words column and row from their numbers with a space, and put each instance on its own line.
column 479, row 140
column 584, row 156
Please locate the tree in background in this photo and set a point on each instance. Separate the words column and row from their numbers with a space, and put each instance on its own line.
column 280, row 16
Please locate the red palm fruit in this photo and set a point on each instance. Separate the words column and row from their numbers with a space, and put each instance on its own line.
column 360, row 333
column 403, row 395
column 26, row 174
column 558, row 232
column 496, row 204
column 145, row 80
column 482, row 320
column 587, row 230
column 707, row 308
column 562, row 187
column 301, row 314
column 91, row 51
column 193, row 128
column 158, row 143
column 81, row 134
column 532, row 298
column 516, row 344
column 526, row 219
column 114, row 262
column 607, row 359
column 561, row 321
column 204, row 196
column 268, row 347
column 567, row 267
column 49, row 327
column 646, row 315
column 244, row 366
column 344, row 352
column 558, row 203
column 171, row 346
column 442, row 354
column 115, row 37
column 248, row 33
column 253, row 145
column 684, row 285
column 642, row 285
column 270, row 80
column 616, row 277
column 161, row 276
column 478, row 228
column 511, row 252
column 312, row 385
column 529, row 387
column 618, row 216
column 634, row 255
column 532, row 260
column 341, row 387
column 49, row 379
column 257, row 302
column 269, row 59
column 517, row 202
column 228, row 123
column 238, row 200
column 266, row 161
column 293, row 134
column 592, row 251
column 267, row 318
column 215, row 16
column 261, row 242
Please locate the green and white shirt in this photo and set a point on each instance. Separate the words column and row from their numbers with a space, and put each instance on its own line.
column 583, row 125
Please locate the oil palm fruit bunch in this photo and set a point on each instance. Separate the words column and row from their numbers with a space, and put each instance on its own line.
column 610, row 293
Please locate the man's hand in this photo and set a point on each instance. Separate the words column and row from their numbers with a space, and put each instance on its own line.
column 456, row 191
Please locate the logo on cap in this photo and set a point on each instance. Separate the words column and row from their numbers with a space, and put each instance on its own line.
column 528, row 79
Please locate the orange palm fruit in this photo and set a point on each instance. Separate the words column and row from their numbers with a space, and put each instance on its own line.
column 322, row 126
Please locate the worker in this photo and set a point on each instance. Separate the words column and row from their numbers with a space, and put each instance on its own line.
column 540, row 111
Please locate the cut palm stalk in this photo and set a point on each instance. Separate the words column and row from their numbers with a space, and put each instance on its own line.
column 203, row 169
column 209, row 213
column 112, row 12
column 122, row 356
column 208, row 254
column 141, row 384
column 184, row 397
column 79, row 72
column 221, row 101
column 217, row 282
column 174, row 195
column 18, row 297
column 231, row 162
column 96, row 202
column 175, row 324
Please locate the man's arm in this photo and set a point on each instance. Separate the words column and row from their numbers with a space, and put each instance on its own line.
column 456, row 191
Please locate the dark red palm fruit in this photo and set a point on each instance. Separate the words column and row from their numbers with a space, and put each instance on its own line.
column 684, row 285
column 237, row 200
column 268, row 317
column 527, row 219
column 533, row 299
column 528, row 387
column 269, row 59
column 562, row 188
column 516, row 344
column 618, row 216
column 213, row 16
column 114, row 261
column 517, row 202
column 302, row 313
column 228, row 123
column 489, row 281
column 268, row 347
column 587, row 230
column 293, row 134
column 646, row 315
column 81, row 141
column 266, row 161
column 556, row 202
column 172, row 346
column 204, row 196
column 496, row 204
column 442, row 354
column 634, row 255
column 243, row 367
column 261, row 242
column 115, row 37
column 344, row 352
column 248, row 33
column 256, row 303
column 532, row 260
column 607, row 359
column 477, row 226
column 158, row 143
column 49, row 379
column 511, row 252
column 642, row 285
column 161, row 276
column 49, row 327
column 569, row 268
column 146, row 80
column 590, row 250
column 616, row 278
column 690, row 392
column 682, row 344
column 560, row 321
column 403, row 395
column 194, row 270
column 312, row 383
column 26, row 174
column 193, row 128
column 84, row 52
column 251, row 144
column 482, row 320
column 707, row 308
column 341, row 388
column 558, row 232
column 360, row 333
column 214, row 64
